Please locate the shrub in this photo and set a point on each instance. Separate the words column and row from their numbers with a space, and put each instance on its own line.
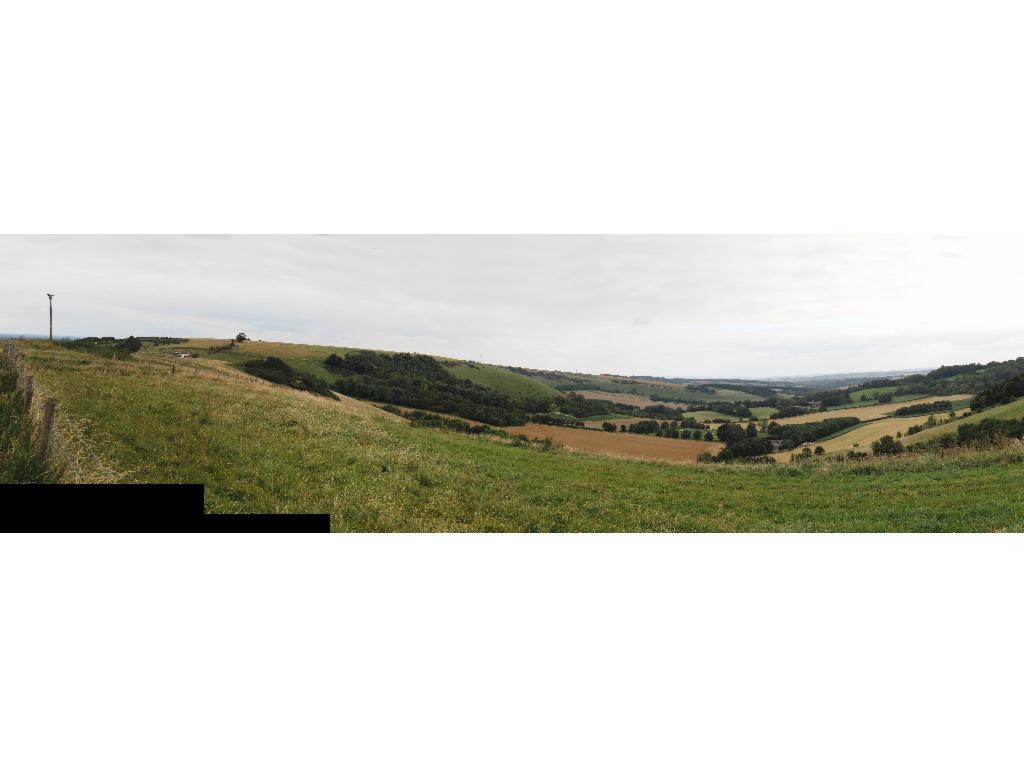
column 922, row 408
column 420, row 381
column 887, row 446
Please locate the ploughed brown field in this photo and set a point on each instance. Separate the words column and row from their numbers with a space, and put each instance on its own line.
column 620, row 444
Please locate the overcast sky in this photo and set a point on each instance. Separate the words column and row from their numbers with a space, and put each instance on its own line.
column 660, row 305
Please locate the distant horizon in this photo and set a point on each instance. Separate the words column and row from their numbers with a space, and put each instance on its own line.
column 791, row 377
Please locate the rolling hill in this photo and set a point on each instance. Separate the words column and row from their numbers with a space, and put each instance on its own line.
column 260, row 447
column 310, row 359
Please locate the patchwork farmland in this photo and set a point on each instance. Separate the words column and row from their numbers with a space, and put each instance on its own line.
column 434, row 444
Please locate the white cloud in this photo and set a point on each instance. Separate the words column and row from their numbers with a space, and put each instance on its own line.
column 660, row 305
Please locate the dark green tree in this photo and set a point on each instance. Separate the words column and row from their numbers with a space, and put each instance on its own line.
column 886, row 446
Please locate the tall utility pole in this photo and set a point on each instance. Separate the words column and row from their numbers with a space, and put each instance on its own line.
column 50, row 295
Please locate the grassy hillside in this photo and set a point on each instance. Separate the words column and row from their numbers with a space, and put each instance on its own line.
column 1014, row 410
column 262, row 448
column 503, row 380
column 309, row 359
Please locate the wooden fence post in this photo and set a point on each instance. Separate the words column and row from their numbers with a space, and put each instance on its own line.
column 46, row 430
column 28, row 390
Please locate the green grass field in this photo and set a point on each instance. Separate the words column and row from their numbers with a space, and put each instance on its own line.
column 514, row 385
column 262, row 448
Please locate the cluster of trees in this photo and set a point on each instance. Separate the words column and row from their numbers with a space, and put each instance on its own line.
column 420, row 381
column 677, row 416
column 913, row 430
column 742, row 443
column 555, row 419
column 276, row 370
column 887, row 446
column 675, row 430
column 952, row 379
column 739, row 410
column 939, row 406
column 983, row 434
column 787, row 411
column 831, row 398
column 793, row 435
column 575, row 405
column 949, row 371
column 433, row 421
column 109, row 346
column 990, row 431
column 1006, row 392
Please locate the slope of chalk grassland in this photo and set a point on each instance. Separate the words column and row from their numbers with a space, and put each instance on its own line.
column 1014, row 410
column 261, row 448
column 310, row 358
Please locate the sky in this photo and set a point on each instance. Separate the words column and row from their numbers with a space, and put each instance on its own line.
column 684, row 305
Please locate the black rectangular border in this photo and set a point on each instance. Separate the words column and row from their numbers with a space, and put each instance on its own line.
column 133, row 509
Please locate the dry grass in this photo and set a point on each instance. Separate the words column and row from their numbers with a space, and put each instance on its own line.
column 867, row 412
column 861, row 438
column 620, row 444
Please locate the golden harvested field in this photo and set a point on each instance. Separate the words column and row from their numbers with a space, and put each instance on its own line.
column 867, row 412
column 861, row 438
column 619, row 444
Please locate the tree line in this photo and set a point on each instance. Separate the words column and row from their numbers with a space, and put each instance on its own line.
column 420, row 381
column 919, row 409
column 742, row 443
column 1006, row 392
